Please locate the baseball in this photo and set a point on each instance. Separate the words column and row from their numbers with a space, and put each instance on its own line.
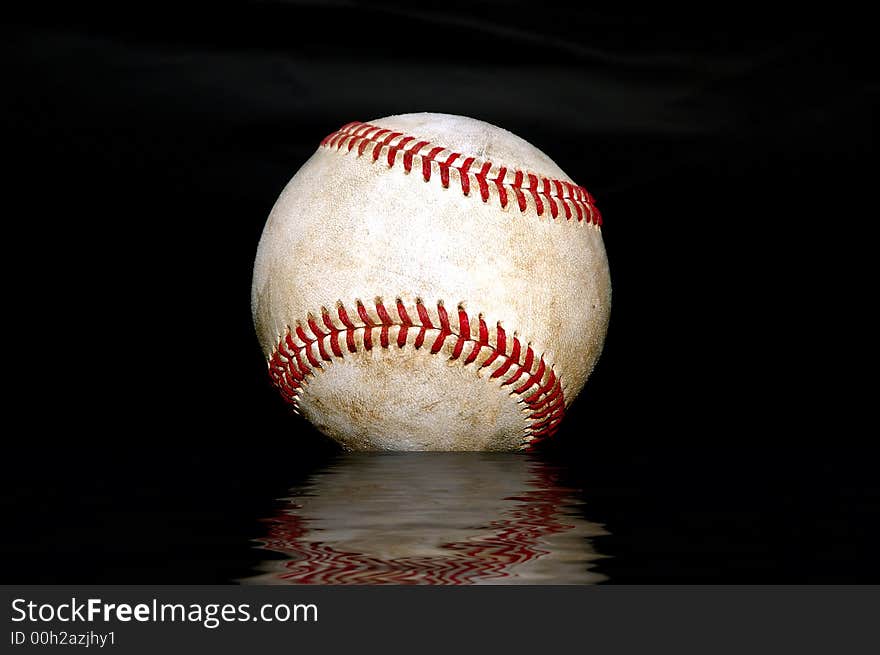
column 431, row 282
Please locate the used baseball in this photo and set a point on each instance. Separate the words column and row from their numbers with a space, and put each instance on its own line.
column 431, row 282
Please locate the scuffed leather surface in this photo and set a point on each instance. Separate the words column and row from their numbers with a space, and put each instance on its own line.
column 347, row 228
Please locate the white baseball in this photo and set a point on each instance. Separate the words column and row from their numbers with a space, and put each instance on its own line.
column 431, row 282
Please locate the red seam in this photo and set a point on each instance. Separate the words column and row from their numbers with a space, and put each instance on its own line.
column 533, row 379
column 313, row 326
column 465, row 178
column 546, row 193
column 392, row 152
column 407, row 157
column 481, row 180
column 444, row 169
column 444, row 329
column 334, row 334
column 545, row 400
column 426, row 162
column 499, row 184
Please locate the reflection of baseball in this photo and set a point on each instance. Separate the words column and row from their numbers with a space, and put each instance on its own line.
column 431, row 282
column 432, row 518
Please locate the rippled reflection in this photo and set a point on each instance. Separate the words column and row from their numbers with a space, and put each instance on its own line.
column 431, row 518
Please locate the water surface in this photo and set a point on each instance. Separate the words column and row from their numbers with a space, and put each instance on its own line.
column 430, row 518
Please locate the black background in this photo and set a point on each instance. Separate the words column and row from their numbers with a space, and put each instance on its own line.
column 731, row 156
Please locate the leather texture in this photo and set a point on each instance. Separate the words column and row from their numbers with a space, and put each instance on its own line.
column 349, row 228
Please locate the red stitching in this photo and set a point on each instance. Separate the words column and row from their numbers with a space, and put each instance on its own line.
column 444, row 169
column 541, row 392
column 393, row 151
column 481, row 180
column 465, row 178
column 546, row 194
column 407, row 157
column 499, row 183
